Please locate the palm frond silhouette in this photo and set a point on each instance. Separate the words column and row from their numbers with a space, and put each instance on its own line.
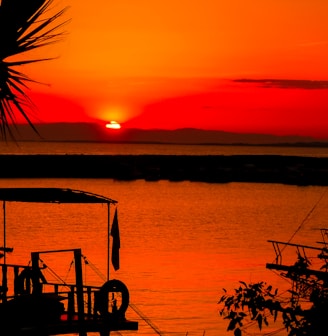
column 24, row 26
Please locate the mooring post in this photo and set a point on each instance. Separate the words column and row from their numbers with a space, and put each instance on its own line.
column 36, row 280
column 79, row 290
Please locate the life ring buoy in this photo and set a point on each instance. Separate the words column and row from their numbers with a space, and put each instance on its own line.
column 101, row 299
column 24, row 282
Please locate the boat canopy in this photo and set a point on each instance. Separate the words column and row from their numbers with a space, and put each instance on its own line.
column 51, row 195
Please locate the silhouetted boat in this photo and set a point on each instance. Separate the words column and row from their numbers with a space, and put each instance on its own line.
column 34, row 306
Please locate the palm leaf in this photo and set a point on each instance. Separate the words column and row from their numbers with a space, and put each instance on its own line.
column 24, row 26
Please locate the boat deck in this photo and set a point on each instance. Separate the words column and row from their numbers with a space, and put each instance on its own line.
column 74, row 326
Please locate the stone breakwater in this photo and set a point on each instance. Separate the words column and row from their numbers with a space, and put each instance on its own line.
column 293, row 170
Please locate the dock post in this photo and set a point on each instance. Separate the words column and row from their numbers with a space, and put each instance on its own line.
column 36, row 281
column 4, row 285
column 79, row 290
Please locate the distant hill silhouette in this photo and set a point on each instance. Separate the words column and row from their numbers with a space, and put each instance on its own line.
column 98, row 133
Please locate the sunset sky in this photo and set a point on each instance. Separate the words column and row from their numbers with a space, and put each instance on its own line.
column 233, row 65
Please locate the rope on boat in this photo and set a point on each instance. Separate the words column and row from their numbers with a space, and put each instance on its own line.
column 69, row 269
column 308, row 215
column 274, row 332
column 305, row 219
column 137, row 310
column 146, row 319
column 95, row 269
column 52, row 272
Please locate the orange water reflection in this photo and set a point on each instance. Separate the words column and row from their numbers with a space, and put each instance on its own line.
column 181, row 243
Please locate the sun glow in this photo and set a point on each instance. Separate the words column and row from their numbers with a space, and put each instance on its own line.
column 113, row 125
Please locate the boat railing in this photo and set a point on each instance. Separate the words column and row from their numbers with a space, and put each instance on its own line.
column 16, row 282
column 279, row 246
column 303, row 263
column 67, row 293
column 12, row 281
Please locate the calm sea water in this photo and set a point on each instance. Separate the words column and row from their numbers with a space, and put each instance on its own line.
column 163, row 149
column 181, row 242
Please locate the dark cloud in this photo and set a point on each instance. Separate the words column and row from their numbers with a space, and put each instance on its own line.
column 286, row 83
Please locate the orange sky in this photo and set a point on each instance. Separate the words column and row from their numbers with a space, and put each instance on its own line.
column 174, row 64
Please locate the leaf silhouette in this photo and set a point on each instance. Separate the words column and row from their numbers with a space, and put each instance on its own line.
column 259, row 320
column 23, row 27
column 243, row 283
column 237, row 332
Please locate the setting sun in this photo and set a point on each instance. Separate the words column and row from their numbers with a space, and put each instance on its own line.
column 113, row 125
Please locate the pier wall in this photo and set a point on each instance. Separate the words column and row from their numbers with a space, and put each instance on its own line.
column 293, row 170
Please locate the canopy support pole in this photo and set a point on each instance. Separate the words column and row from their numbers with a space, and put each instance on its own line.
column 4, row 232
column 108, row 240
